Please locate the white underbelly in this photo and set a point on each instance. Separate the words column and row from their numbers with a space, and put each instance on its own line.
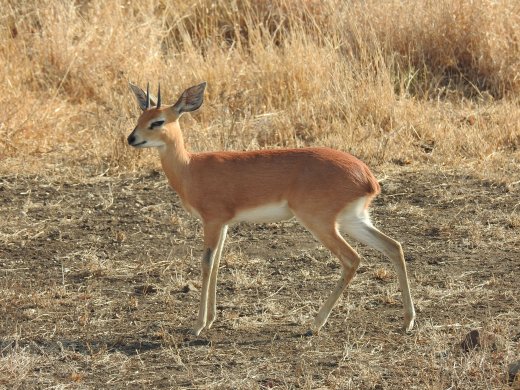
column 272, row 212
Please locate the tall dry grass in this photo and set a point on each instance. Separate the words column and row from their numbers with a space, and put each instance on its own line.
column 396, row 81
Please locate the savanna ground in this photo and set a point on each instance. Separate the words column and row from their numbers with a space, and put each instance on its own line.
column 99, row 264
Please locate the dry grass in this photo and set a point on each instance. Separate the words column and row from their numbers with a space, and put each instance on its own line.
column 99, row 274
column 365, row 77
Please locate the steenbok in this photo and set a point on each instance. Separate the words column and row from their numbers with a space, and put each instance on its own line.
column 326, row 190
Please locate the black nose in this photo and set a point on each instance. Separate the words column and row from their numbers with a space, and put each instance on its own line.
column 131, row 139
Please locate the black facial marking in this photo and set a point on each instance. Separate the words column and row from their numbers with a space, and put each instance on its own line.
column 207, row 256
column 156, row 124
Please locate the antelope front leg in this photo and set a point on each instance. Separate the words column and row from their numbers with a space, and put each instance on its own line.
column 207, row 260
column 211, row 239
column 212, row 298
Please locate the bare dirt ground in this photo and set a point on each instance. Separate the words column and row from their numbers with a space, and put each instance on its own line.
column 99, row 289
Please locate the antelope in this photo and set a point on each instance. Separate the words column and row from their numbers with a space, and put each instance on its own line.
column 326, row 190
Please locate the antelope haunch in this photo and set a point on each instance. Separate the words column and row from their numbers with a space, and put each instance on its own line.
column 326, row 190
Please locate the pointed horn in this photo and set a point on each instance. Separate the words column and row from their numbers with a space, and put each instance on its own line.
column 159, row 96
column 147, row 96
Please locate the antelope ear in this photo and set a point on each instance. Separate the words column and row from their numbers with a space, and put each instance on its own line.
column 140, row 96
column 190, row 100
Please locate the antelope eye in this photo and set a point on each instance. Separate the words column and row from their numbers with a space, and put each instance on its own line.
column 156, row 124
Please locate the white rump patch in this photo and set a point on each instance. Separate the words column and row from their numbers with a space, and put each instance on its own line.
column 353, row 215
column 272, row 212
column 355, row 221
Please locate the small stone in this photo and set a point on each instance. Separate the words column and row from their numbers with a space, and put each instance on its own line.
column 471, row 341
column 482, row 340
column 513, row 371
column 30, row 313
column 188, row 287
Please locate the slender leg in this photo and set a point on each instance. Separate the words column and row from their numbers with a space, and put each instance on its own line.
column 349, row 260
column 363, row 231
column 212, row 298
column 327, row 233
column 211, row 238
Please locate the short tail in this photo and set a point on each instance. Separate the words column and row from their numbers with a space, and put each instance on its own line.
column 373, row 188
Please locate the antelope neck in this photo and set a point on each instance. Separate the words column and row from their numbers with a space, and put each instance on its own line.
column 174, row 157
